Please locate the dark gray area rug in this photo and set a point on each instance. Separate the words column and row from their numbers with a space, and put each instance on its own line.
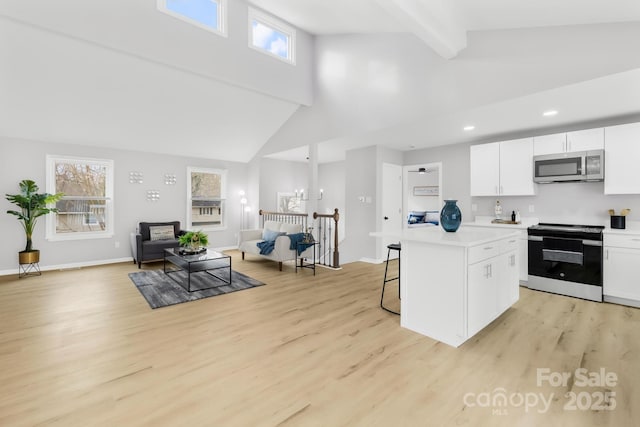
column 161, row 291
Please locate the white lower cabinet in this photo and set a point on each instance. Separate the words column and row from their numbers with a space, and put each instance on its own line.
column 453, row 286
column 622, row 269
column 482, row 295
column 522, row 250
column 492, row 285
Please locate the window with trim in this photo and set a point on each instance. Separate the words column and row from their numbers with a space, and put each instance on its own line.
column 271, row 36
column 86, row 210
column 206, row 190
column 210, row 15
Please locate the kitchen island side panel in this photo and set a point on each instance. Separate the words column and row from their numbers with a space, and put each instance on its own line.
column 433, row 290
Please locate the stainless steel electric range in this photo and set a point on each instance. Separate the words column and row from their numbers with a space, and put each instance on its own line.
column 566, row 259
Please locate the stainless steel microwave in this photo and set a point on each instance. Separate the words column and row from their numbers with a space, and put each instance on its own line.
column 563, row 167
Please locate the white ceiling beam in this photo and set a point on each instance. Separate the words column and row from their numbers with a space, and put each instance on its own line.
column 432, row 21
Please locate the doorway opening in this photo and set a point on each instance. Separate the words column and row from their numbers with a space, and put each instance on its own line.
column 422, row 195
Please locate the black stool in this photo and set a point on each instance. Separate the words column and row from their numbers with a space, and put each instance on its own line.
column 391, row 247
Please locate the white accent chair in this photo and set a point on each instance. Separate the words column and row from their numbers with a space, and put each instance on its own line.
column 281, row 252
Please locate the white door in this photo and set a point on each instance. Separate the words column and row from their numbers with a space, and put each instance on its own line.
column 391, row 205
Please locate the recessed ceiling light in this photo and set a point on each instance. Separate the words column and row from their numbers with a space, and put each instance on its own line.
column 468, row 128
column 550, row 113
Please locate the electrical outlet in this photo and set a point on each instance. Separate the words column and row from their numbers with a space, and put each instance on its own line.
column 474, row 207
column 117, row 244
column 532, row 209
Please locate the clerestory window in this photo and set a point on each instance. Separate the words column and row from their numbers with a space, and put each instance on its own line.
column 271, row 36
column 210, row 15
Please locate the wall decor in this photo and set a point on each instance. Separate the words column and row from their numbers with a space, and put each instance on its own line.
column 153, row 196
column 170, row 179
column 427, row 190
column 135, row 177
column 289, row 203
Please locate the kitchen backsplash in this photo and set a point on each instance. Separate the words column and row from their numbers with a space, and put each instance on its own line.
column 579, row 203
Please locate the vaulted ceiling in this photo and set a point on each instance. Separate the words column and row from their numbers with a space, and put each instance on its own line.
column 401, row 73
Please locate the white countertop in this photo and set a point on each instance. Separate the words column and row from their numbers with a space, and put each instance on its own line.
column 485, row 221
column 632, row 228
column 464, row 237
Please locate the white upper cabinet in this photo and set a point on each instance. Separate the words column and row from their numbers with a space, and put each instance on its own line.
column 502, row 168
column 516, row 168
column 584, row 140
column 485, row 169
column 550, row 144
column 621, row 158
column 581, row 140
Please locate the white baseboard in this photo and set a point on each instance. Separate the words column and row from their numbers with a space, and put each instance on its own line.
column 73, row 265
column 372, row 260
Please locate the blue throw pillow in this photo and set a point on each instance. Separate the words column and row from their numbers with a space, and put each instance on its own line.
column 270, row 235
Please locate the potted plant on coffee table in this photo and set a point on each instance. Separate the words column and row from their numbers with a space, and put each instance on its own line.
column 194, row 241
column 32, row 206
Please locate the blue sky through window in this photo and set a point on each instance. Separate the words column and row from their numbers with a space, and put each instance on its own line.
column 273, row 41
column 203, row 11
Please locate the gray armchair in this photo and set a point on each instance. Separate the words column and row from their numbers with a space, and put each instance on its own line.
column 148, row 249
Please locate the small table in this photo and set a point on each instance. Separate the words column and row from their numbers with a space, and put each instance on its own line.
column 206, row 262
column 305, row 246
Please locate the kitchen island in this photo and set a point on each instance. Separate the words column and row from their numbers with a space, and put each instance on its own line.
column 455, row 284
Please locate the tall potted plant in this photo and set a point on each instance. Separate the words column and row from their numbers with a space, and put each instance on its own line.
column 32, row 206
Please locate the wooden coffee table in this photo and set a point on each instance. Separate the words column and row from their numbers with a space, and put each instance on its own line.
column 207, row 262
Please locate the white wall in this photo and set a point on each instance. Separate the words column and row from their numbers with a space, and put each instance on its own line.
column 359, row 218
column 366, row 83
column 139, row 29
column 285, row 176
column 423, row 203
column 332, row 179
column 23, row 159
column 455, row 172
column 279, row 176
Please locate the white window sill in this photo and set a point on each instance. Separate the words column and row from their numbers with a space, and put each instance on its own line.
column 79, row 236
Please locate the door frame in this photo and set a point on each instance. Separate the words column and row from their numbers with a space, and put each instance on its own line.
column 406, row 190
column 384, row 241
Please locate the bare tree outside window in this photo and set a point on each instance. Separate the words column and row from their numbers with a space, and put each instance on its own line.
column 207, row 201
column 83, row 209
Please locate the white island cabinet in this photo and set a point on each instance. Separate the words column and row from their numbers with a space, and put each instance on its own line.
column 455, row 284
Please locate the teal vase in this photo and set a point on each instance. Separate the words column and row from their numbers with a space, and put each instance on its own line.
column 450, row 216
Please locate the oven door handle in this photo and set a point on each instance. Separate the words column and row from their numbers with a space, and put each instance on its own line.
column 569, row 257
column 584, row 242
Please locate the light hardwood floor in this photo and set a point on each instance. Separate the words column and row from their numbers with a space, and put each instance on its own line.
column 83, row 348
